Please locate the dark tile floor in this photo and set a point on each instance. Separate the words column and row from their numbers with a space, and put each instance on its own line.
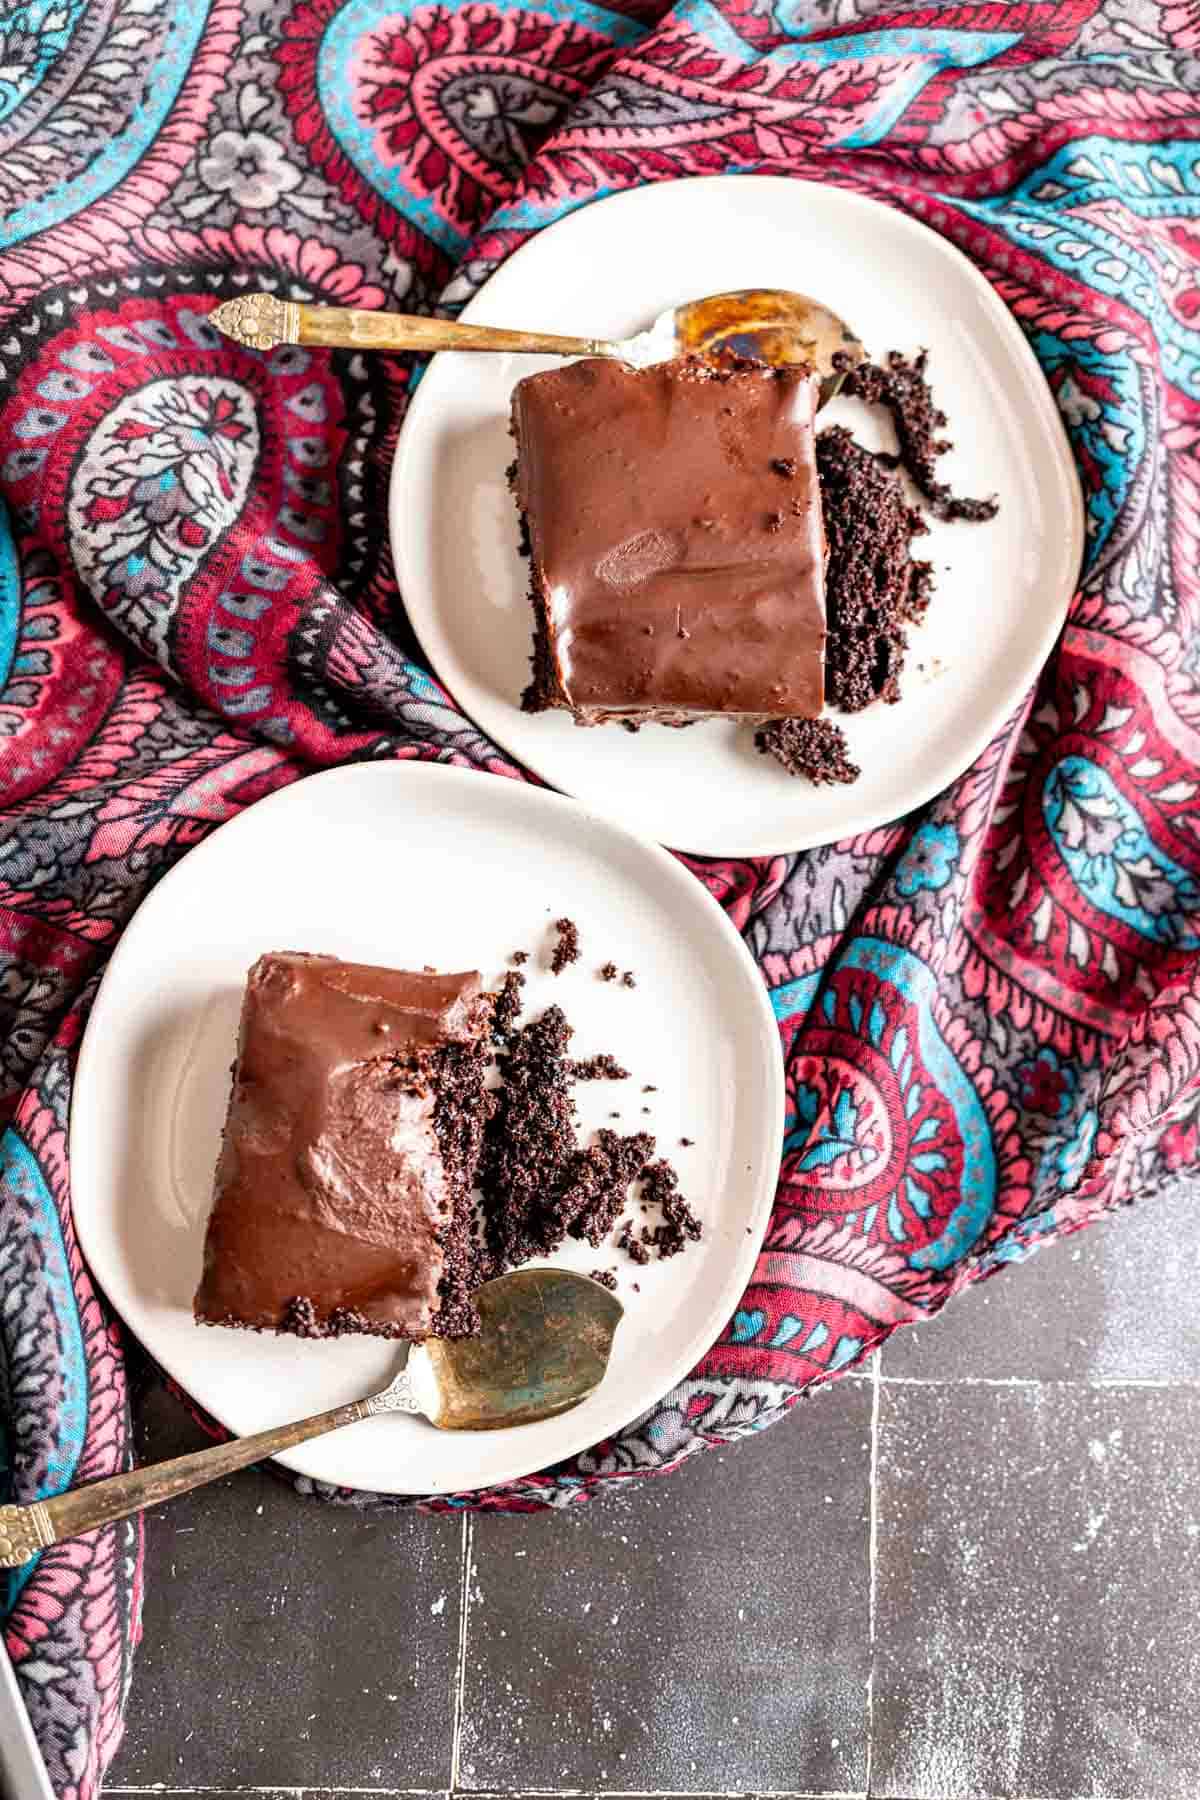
column 971, row 1571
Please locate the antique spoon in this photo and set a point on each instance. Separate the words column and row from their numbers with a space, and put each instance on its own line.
column 544, row 1347
column 767, row 323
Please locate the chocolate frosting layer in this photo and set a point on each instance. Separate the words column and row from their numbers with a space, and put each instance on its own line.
column 330, row 1184
column 675, row 526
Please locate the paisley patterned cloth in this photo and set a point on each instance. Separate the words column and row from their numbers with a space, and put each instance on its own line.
column 990, row 1012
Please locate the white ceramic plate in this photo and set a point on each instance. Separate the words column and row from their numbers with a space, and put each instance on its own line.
column 409, row 864
column 1002, row 588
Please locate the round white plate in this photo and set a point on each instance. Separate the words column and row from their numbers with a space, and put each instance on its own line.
column 409, row 864
column 1002, row 588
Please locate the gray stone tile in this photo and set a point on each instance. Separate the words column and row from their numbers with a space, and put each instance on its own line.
column 1037, row 1588
column 288, row 1643
column 1116, row 1302
column 703, row 1631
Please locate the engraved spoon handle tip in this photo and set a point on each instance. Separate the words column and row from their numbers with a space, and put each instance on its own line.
column 264, row 321
column 24, row 1530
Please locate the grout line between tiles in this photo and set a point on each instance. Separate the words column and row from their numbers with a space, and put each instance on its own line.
column 518, row 1793
column 162, row 1789
column 872, row 1561
column 1035, row 1381
column 460, row 1671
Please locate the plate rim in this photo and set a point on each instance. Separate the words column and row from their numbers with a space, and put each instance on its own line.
column 990, row 720
column 82, row 1128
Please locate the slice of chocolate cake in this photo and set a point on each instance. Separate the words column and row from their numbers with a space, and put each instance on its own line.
column 677, row 550
column 343, row 1191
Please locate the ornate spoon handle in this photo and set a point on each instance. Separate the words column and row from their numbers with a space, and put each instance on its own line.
column 262, row 321
column 24, row 1530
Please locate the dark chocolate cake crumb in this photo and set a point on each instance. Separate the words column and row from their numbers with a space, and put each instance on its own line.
column 539, row 695
column 901, row 387
column 300, row 1318
column 508, row 1005
column 873, row 588
column 645, row 1109
column 566, row 950
column 536, row 1181
column 528, row 1143
column 606, row 1278
column 347, row 1321
column 519, row 957
column 687, row 1142
column 599, row 1068
column 649, row 1088
column 680, row 1226
column 524, row 543
column 629, row 979
column 608, row 971
column 461, row 1112
column 598, row 1182
column 813, row 748
column 633, row 1247
column 785, row 466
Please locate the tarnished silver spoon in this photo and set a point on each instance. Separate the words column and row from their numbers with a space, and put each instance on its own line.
column 768, row 323
column 544, row 1346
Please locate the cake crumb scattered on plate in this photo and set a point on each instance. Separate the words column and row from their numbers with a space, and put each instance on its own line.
column 508, row 1004
column 608, row 971
column 814, row 749
column 680, row 1226
column 599, row 1068
column 566, row 950
column 606, row 1277
column 632, row 1246
column 598, row 1182
column 874, row 588
column 900, row 385
column 629, row 979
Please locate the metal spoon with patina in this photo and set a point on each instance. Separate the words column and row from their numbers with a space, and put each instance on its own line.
column 544, row 1346
column 767, row 323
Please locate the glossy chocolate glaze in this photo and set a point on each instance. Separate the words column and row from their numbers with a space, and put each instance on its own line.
column 330, row 1184
column 678, row 552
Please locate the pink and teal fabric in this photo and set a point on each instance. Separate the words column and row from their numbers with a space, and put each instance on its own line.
column 990, row 1012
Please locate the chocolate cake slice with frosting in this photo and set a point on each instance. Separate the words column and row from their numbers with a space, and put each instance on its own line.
column 673, row 516
column 343, row 1191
